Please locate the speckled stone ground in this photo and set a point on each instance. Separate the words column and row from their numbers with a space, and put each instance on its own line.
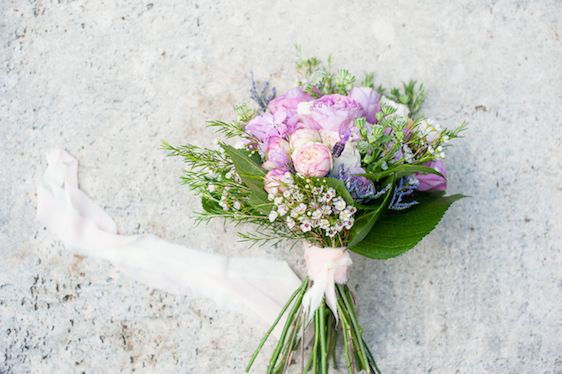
column 109, row 80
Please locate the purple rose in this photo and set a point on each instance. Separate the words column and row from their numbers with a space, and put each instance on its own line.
column 277, row 154
column 432, row 182
column 287, row 104
column 333, row 113
column 288, row 101
column 369, row 100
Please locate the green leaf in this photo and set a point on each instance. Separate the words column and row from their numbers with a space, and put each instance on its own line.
column 249, row 171
column 210, row 206
column 402, row 171
column 252, row 176
column 365, row 222
column 396, row 233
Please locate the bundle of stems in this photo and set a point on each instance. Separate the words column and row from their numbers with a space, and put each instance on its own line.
column 317, row 337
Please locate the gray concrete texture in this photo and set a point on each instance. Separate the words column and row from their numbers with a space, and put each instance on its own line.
column 109, row 80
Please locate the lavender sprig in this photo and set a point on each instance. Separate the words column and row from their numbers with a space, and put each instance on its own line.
column 406, row 186
column 261, row 92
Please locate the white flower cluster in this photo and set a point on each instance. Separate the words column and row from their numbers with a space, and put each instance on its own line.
column 431, row 133
column 227, row 201
column 312, row 207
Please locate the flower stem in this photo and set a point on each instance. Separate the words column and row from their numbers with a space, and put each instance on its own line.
column 323, row 341
column 290, row 318
column 268, row 333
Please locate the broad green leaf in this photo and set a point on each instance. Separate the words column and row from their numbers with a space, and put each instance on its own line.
column 251, row 173
column 252, row 176
column 402, row 171
column 365, row 222
column 397, row 232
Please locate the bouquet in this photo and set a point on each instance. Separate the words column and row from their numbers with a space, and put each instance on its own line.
column 340, row 167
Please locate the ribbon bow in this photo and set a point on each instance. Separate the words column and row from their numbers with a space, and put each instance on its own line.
column 326, row 267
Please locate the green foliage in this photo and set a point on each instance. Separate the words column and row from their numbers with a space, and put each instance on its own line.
column 397, row 232
column 318, row 79
column 403, row 170
column 251, row 175
column 236, row 128
column 409, row 95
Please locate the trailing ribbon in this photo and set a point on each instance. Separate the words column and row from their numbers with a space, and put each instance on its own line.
column 326, row 267
column 256, row 285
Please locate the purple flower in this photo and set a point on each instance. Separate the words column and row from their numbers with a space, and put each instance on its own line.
column 432, row 182
column 333, row 113
column 268, row 126
column 287, row 104
column 369, row 100
column 289, row 101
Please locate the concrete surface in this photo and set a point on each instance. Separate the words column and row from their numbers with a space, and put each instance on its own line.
column 109, row 80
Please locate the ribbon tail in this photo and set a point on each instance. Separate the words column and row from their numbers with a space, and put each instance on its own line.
column 246, row 285
column 330, row 293
column 313, row 297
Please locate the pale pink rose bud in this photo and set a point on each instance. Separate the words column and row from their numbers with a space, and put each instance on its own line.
column 277, row 154
column 273, row 181
column 303, row 137
column 313, row 160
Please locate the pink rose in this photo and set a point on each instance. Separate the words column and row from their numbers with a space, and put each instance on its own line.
column 369, row 100
column 277, row 154
column 313, row 160
column 303, row 137
column 432, row 182
column 333, row 113
column 273, row 181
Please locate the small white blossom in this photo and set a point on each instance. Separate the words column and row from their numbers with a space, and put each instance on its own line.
column 211, row 188
column 348, row 223
column 339, row 203
column 345, row 214
column 317, row 214
column 324, row 224
column 273, row 215
column 278, row 200
column 326, row 210
column 331, row 232
column 282, row 209
column 270, row 197
column 306, row 226
column 236, row 205
column 290, row 223
column 339, row 225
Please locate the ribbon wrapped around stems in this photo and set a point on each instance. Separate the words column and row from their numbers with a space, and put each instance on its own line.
column 255, row 286
column 326, row 267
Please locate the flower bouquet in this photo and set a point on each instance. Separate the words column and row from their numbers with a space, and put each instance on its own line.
column 340, row 167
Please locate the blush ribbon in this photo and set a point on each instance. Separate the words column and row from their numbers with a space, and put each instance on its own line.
column 255, row 286
column 326, row 267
